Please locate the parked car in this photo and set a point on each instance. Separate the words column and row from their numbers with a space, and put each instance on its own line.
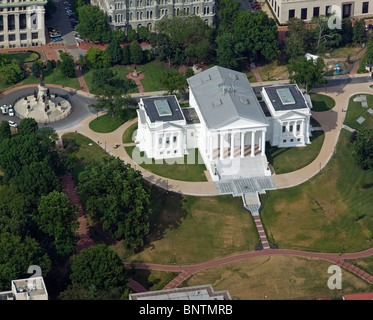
column 57, row 39
column 55, row 35
column 78, row 37
column 12, row 124
column 11, row 112
column 4, row 109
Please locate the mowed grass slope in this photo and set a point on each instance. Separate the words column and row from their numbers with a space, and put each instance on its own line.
column 355, row 110
column 276, row 278
column 319, row 215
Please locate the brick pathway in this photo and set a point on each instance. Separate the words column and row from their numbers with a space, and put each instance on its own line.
column 261, row 232
column 137, row 80
column 177, row 281
column 68, row 187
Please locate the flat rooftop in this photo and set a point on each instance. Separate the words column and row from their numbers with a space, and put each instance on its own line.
column 190, row 115
column 163, row 108
column 205, row 292
column 285, row 97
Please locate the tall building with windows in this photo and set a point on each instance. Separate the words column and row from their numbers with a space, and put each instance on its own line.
column 284, row 10
column 22, row 23
column 131, row 14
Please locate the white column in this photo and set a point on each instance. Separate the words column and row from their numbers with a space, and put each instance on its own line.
column 263, row 142
column 164, row 141
column 211, row 140
column 232, row 145
column 221, row 146
column 242, row 144
column 252, row 143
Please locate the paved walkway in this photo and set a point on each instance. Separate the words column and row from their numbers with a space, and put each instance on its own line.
column 335, row 258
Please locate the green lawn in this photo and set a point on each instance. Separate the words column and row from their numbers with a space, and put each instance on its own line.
column 273, row 71
column 343, row 52
column 23, row 57
column 159, row 278
column 187, row 229
column 176, row 168
column 84, row 150
column 285, row 160
column 105, row 123
column 319, row 215
column 355, row 110
column 128, row 134
column 321, row 102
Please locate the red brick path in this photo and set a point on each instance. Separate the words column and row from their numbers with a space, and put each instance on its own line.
column 68, row 187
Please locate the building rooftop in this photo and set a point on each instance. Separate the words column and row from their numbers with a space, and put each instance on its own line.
column 28, row 289
column 162, row 108
column 286, row 97
column 190, row 115
column 205, row 292
column 225, row 96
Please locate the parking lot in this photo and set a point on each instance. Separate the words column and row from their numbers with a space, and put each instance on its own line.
column 61, row 22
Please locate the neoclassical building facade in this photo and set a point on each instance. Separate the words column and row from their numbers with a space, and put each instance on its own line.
column 131, row 14
column 22, row 23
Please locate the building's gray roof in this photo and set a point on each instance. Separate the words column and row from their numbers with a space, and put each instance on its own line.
column 190, row 115
column 204, row 292
column 153, row 114
column 225, row 96
column 277, row 103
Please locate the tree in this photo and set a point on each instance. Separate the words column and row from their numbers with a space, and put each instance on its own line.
column 11, row 72
column 55, row 218
column 126, row 55
column 358, row 31
column 132, row 35
column 28, row 126
column 99, row 267
column 323, row 36
column 5, row 132
column 226, row 54
column 67, row 65
column 363, row 148
column 36, row 68
column 307, row 73
column 17, row 254
column 97, row 58
column 347, row 31
column 92, row 23
column 298, row 41
column 143, row 33
column 116, row 194
column 136, row 54
column 173, row 81
column 227, row 13
column 114, row 52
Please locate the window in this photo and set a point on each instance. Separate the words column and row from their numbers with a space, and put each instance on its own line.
column 12, row 37
column 365, row 7
column 303, row 14
column 175, row 151
column 1, row 38
column 174, row 138
column 160, row 140
column 291, row 140
column 316, row 11
column 283, row 129
column 291, row 13
column 328, row 10
column 298, row 139
column 298, row 127
column 23, row 36
column 284, row 141
column 34, row 35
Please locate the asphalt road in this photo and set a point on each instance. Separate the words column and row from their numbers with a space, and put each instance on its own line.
column 80, row 107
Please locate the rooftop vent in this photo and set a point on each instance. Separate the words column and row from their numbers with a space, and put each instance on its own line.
column 217, row 103
column 233, row 76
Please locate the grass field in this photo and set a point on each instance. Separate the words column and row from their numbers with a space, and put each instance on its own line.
column 276, row 278
column 128, row 134
column 319, row 215
column 152, row 280
column 105, row 123
column 84, row 149
column 355, row 110
column 273, row 71
column 175, row 168
column 22, row 57
column 321, row 102
column 191, row 229
column 285, row 160
column 343, row 52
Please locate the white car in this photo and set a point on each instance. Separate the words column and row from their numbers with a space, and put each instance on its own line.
column 11, row 112
column 12, row 124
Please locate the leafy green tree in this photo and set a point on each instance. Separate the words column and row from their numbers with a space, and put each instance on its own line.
column 116, row 194
column 37, row 68
column 5, row 132
column 92, row 23
column 98, row 266
column 56, row 217
column 347, row 31
column 143, row 33
column 136, row 54
column 132, row 35
column 363, row 148
column 126, row 55
column 307, row 73
column 17, row 254
column 67, row 65
column 97, row 58
column 323, row 36
column 12, row 72
column 358, row 31
column 227, row 13
column 114, row 52
column 298, row 41
column 173, row 81
column 226, row 54
column 28, row 126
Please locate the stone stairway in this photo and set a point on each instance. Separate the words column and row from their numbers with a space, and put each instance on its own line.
column 261, row 232
column 83, row 232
